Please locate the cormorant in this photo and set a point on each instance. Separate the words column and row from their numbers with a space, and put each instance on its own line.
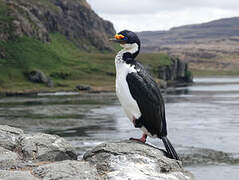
column 138, row 93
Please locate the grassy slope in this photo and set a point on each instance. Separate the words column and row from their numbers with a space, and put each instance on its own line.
column 56, row 58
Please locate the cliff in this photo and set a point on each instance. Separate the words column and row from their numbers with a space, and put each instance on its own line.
column 72, row 18
column 176, row 72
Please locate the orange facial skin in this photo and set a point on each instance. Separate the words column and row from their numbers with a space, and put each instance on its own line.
column 119, row 36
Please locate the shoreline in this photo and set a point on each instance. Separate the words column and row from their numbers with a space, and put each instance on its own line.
column 73, row 91
column 96, row 89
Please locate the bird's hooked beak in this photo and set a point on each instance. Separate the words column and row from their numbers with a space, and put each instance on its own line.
column 119, row 38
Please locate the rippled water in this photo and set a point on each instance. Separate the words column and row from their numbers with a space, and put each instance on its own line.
column 202, row 122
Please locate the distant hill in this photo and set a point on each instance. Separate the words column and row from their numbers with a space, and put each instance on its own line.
column 213, row 45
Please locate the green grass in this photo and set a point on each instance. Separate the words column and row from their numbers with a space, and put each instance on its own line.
column 60, row 59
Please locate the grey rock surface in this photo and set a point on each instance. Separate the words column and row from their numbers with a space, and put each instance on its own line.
column 16, row 175
column 68, row 169
column 45, row 147
column 50, row 157
column 8, row 159
column 133, row 160
column 14, row 144
column 9, row 136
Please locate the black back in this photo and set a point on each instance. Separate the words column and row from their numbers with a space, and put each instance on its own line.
column 149, row 99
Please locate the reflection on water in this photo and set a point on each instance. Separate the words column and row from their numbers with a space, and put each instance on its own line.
column 202, row 120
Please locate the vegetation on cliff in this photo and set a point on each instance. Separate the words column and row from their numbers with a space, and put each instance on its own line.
column 63, row 61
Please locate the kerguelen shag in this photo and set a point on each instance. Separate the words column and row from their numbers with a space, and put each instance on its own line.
column 138, row 93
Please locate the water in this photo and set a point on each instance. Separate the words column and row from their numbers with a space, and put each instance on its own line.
column 202, row 121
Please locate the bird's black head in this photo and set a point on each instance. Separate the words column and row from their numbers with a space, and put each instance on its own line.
column 129, row 41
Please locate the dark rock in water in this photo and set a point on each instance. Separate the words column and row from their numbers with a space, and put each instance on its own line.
column 133, row 160
column 176, row 71
column 200, row 156
column 38, row 76
column 45, row 147
column 83, row 88
column 66, row 170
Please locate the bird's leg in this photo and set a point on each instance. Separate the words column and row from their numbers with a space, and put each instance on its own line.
column 137, row 122
column 142, row 139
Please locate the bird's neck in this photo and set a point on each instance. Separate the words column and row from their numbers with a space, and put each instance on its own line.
column 131, row 48
column 128, row 51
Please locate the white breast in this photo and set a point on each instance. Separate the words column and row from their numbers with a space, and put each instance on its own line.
column 129, row 105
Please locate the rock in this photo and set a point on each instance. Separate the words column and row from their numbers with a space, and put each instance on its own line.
column 50, row 83
column 8, row 159
column 83, row 88
column 15, row 147
column 9, row 137
column 133, row 160
column 45, row 147
column 38, row 76
column 192, row 156
column 66, row 170
column 176, row 71
column 16, row 175
column 50, row 157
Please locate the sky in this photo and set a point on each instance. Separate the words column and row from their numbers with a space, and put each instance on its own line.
column 150, row 15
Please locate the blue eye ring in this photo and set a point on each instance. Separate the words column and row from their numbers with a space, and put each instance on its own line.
column 125, row 38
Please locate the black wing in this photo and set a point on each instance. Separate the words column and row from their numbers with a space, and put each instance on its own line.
column 149, row 99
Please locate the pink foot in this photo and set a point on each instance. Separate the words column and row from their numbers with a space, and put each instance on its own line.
column 142, row 139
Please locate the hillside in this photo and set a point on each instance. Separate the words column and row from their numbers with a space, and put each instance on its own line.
column 74, row 19
column 65, row 40
column 211, row 46
column 52, row 36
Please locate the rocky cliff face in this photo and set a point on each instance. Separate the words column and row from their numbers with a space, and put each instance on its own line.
column 177, row 71
column 73, row 18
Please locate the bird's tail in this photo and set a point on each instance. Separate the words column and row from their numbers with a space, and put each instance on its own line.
column 171, row 151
